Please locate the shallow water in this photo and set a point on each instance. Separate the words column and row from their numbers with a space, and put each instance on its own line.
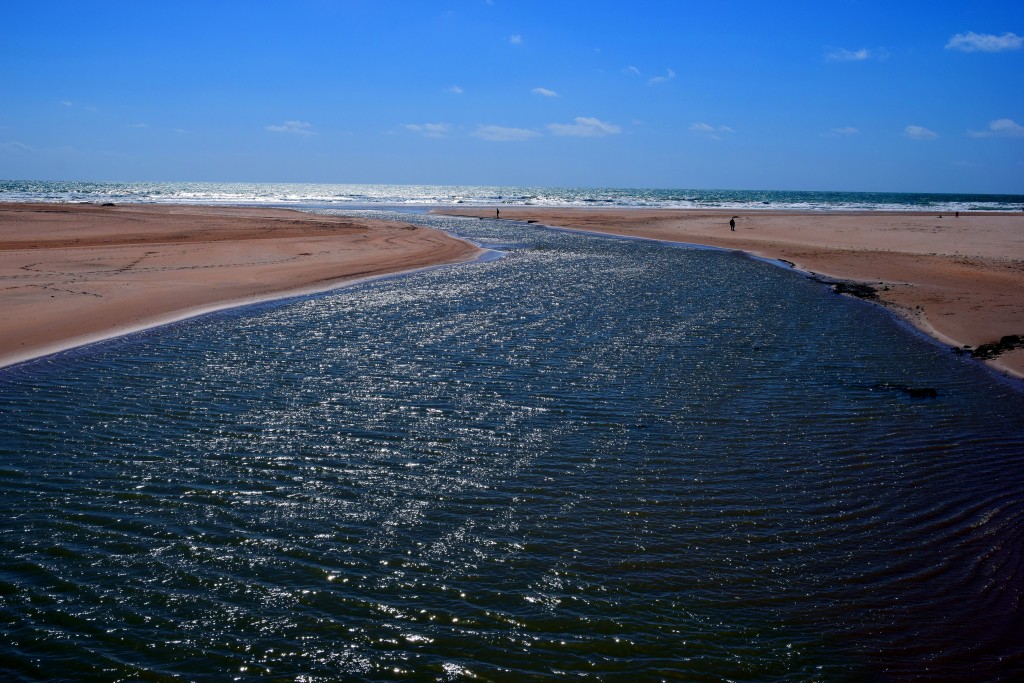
column 591, row 458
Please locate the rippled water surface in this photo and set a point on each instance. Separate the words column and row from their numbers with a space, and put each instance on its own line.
column 593, row 458
column 382, row 196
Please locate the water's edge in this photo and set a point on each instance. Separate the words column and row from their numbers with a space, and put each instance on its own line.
column 1004, row 374
column 177, row 317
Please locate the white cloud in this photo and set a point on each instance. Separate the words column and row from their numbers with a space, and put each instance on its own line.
column 843, row 55
column 1000, row 128
column 983, row 42
column 294, row 127
column 584, row 127
column 14, row 146
column 919, row 133
column 428, row 130
column 515, row 39
column 545, row 92
column 633, row 70
column 456, row 90
column 504, row 134
column 861, row 55
column 669, row 75
column 67, row 103
column 710, row 131
column 844, row 132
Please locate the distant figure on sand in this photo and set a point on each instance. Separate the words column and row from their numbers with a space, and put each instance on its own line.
column 497, row 213
column 732, row 223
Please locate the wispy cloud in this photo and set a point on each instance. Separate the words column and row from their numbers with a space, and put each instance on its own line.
column 919, row 133
column 545, row 92
column 67, row 103
column 840, row 54
column 428, row 130
column 633, row 70
column 14, row 146
column 515, row 39
column 843, row 55
column 456, row 90
column 293, row 127
column 713, row 132
column 1000, row 128
column 984, row 42
column 504, row 133
column 846, row 131
column 669, row 75
column 584, row 127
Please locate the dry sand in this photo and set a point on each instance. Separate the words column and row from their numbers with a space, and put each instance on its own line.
column 959, row 279
column 73, row 274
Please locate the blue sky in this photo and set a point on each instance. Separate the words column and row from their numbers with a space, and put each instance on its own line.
column 825, row 95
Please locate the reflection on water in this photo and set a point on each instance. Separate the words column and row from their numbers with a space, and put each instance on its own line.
column 591, row 458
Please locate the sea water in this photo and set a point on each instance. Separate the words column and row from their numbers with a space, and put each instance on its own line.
column 593, row 458
column 426, row 196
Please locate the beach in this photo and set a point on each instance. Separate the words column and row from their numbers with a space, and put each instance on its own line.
column 76, row 273
column 72, row 274
column 959, row 279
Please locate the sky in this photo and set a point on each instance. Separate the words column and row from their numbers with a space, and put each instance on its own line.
column 844, row 95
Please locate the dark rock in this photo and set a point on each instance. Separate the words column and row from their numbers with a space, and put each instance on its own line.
column 912, row 392
column 860, row 290
column 986, row 351
column 993, row 349
column 109, row 204
column 857, row 289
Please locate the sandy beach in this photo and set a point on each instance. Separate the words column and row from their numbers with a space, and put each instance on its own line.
column 960, row 279
column 71, row 274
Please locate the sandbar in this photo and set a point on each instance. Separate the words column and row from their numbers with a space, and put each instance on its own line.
column 959, row 279
column 72, row 274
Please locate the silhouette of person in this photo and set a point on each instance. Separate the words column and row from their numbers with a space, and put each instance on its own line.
column 732, row 224
column 497, row 213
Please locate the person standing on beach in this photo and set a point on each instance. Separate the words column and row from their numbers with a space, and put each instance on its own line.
column 732, row 224
column 497, row 213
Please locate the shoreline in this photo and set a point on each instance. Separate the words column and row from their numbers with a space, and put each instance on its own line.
column 77, row 274
column 957, row 279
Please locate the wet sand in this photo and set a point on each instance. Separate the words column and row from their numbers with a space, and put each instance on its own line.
column 71, row 274
column 958, row 279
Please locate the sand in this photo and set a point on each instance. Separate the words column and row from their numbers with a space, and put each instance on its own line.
column 71, row 274
column 958, row 279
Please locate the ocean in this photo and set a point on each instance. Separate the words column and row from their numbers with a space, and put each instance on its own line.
column 590, row 458
column 431, row 196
